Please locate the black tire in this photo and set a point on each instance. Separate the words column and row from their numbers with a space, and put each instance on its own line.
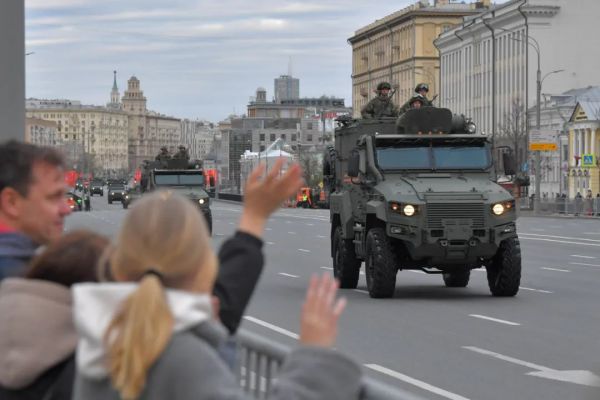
column 457, row 279
column 125, row 206
column 109, row 201
column 504, row 273
column 380, row 265
column 346, row 267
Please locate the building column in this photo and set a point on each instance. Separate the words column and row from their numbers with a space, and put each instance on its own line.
column 12, row 69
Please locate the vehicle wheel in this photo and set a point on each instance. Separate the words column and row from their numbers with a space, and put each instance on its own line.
column 346, row 267
column 109, row 201
column 457, row 279
column 102, row 194
column 380, row 265
column 125, row 206
column 91, row 194
column 504, row 273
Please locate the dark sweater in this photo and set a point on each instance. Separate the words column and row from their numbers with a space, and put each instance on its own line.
column 16, row 250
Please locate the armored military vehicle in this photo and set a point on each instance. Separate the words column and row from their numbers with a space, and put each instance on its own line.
column 180, row 176
column 419, row 192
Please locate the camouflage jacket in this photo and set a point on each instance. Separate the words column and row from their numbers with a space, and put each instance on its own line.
column 379, row 107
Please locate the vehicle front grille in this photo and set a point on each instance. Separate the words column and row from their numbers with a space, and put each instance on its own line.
column 442, row 214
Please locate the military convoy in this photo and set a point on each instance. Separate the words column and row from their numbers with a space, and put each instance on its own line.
column 419, row 192
column 179, row 176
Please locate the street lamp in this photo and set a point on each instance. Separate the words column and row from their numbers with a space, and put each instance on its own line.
column 539, row 80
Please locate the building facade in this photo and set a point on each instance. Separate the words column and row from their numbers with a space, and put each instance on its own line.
column 148, row 130
column 286, row 88
column 584, row 145
column 41, row 132
column 94, row 139
column 399, row 49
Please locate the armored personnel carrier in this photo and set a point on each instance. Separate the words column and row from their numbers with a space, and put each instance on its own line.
column 419, row 192
column 179, row 176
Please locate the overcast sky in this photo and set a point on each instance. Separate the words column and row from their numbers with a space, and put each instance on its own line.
column 194, row 58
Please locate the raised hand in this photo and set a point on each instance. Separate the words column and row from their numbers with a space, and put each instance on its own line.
column 263, row 196
column 321, row 312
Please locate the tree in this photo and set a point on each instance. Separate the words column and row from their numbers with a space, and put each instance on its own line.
column 513, row 132
column 311, row 164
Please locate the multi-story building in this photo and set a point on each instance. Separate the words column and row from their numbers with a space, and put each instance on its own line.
column 584, row 145
column 148, row 130
column 286, row 88
column 93, row 138
column 490, row 65
column 399, row 49
column 198, row 136
column 41, row 132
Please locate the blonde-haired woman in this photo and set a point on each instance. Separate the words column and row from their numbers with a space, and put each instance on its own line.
column 151, row 335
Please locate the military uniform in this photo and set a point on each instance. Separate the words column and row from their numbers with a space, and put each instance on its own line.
column 380, row 107
column 423, row 97
column 182, row 154
column 163, row 156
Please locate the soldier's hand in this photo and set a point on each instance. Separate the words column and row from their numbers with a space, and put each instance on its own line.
column 263, row 196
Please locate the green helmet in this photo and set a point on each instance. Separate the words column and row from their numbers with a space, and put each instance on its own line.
column 417, row 97
column 422, row 86
column 384, row 85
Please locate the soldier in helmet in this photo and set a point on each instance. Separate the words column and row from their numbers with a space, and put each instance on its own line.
column 382, row 105
column 421, row 90
column 182, row 154
column 164, row 155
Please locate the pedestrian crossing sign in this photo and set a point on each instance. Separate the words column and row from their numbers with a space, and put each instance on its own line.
column 588, row 160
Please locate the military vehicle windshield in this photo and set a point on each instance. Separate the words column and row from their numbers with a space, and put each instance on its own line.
column 433, row 157
column 179, row 180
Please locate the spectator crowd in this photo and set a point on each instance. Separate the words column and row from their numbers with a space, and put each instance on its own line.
column 152, row 313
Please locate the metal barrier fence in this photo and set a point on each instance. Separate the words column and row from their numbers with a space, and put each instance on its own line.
column 259, row 360
column 581, row 207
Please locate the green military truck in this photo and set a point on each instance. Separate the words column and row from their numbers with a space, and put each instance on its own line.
column 179, row 176
column 419, row 192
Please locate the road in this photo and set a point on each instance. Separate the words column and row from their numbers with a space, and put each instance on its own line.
column 438, row 342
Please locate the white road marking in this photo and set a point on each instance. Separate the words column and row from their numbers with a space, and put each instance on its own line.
column 555, row 269
column 310, row 224
column 415, row 382
column 361, row 291
column 558, row 241
column 591, row 233
column 500, row 321
column 231, row 223
column 534, row 290
column 272, row 327
column 288, row 275
column 327, row 268
column 268, row 229
column 292, row 233
column 304, row 250
column 271, row 243
column 321, row 236
column 479, row 270
column 538, row 230
column 580, row 377
column 578, row 256
column 585, row 265
column 560, row 237
column 415, row 271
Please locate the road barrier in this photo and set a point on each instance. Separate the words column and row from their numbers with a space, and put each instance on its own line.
column 578, row 207
column 259, row 359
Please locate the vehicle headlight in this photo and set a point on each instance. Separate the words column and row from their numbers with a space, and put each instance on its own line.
column 498, row 209
column 405, row 209
column 503, row 208
column 127, row 196
column 112, row 193
column 202, row 201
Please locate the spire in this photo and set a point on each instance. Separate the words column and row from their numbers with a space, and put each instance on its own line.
column 114, row 94
column 115, row 88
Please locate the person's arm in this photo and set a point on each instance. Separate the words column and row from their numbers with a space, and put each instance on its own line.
column 241, row 259
column 367, row 111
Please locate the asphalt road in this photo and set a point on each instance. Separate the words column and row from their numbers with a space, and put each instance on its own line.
column 438, row 342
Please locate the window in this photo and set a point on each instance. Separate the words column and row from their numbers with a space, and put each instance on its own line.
column 294, row 137
column 309, row 138
column 283, row 136
column 309, row 126
column 272, row 137
column 262, row 137
column 262, row 147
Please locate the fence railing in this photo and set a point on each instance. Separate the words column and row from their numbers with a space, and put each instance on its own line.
column 581, row 207
column 259, row 359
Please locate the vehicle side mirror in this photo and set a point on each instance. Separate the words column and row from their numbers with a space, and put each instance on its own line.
column 354, row 164
column 509, row 164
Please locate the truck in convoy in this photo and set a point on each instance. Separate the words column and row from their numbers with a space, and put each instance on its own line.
column 178, row 176
column 419, row 192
